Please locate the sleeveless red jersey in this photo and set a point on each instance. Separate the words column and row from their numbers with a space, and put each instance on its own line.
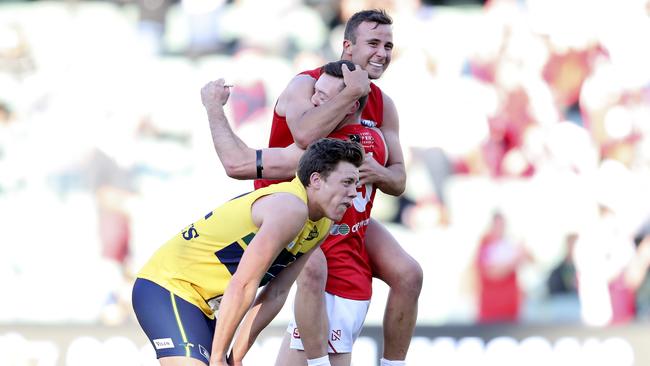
column 348, row 266
column 281, row 136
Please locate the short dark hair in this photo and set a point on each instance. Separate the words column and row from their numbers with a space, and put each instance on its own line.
column 323, row 155
column 335, row 69
column 378, row 16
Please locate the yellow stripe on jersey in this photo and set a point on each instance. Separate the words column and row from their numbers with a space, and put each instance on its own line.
column 197, row 263
column 180, row 325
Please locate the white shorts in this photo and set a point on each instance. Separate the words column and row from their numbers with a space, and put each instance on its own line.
column 346, row 319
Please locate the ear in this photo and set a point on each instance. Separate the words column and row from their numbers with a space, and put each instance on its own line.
column 347, row 47
column 354, row 108
column 315, row 180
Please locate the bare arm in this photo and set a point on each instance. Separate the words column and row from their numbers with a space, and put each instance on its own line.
column 309, row 123
column 280, row 217
column 392, row 178
column 267, row 305
column 237, row 158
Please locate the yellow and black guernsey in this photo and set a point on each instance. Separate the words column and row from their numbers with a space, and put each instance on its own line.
column 198, row 263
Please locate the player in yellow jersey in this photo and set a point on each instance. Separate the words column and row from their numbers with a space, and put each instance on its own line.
column 262, row 238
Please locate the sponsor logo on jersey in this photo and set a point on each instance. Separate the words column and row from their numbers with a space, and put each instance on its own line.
column 360, row 224
column 162, row 343
column 204, row 352
column 368, row 123
column 342, row 229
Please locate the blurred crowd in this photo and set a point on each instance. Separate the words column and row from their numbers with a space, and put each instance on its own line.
column 525, row 124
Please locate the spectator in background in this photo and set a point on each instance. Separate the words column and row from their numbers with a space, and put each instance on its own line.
column 562, row 280
column 562, row 286
column 152, row 17
column 637, row 274
column 602, row 254
column 498, row 260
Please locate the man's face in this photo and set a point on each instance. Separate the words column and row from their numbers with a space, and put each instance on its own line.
column 373, row 48
column 326, row 87
column 338, row 190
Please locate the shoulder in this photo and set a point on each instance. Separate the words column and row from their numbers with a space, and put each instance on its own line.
column 300, row 82
column 285, row 205
column 301, row 87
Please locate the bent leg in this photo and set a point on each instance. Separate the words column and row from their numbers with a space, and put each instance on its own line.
column 402, row 273
column 309, row 306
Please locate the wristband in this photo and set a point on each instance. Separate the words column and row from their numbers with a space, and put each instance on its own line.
column 258, row 163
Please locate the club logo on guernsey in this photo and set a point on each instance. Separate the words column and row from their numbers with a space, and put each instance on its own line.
column 312, row 234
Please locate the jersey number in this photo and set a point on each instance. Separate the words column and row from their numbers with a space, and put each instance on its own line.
column 361, row 200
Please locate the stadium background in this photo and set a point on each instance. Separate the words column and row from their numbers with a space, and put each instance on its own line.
column 539, row 109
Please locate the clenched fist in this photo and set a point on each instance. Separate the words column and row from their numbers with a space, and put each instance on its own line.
column 215, row 93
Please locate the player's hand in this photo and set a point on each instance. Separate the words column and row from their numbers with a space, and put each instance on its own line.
column 357, row 81
column 370, row 170
column 215, row 93
column 233, row 362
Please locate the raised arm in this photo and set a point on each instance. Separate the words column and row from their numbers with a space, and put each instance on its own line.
column 239, row 160
column 280, row 217
column 308, row 122
column 267, row 305
column 390, row 179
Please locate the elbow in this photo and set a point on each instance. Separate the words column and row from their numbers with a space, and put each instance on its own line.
column 399, row 187
column 235, row 170
column 303, row 140
column 394, row 189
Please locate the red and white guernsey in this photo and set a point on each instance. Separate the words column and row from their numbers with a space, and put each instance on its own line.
column 349, row 272
column 348, row 267
column 373, row 114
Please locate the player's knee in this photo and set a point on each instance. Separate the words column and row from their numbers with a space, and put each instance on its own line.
column 414, row 277
column 410, row 280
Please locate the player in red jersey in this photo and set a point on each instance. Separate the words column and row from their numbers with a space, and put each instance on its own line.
column 351, row 277
column 347, row 259
column 368, row 43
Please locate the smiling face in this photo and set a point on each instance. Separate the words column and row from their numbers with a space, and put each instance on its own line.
column 335, row 192
column 372, row 49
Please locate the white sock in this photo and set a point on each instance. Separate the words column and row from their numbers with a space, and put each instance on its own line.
column 385, row 362
column 321, row 361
